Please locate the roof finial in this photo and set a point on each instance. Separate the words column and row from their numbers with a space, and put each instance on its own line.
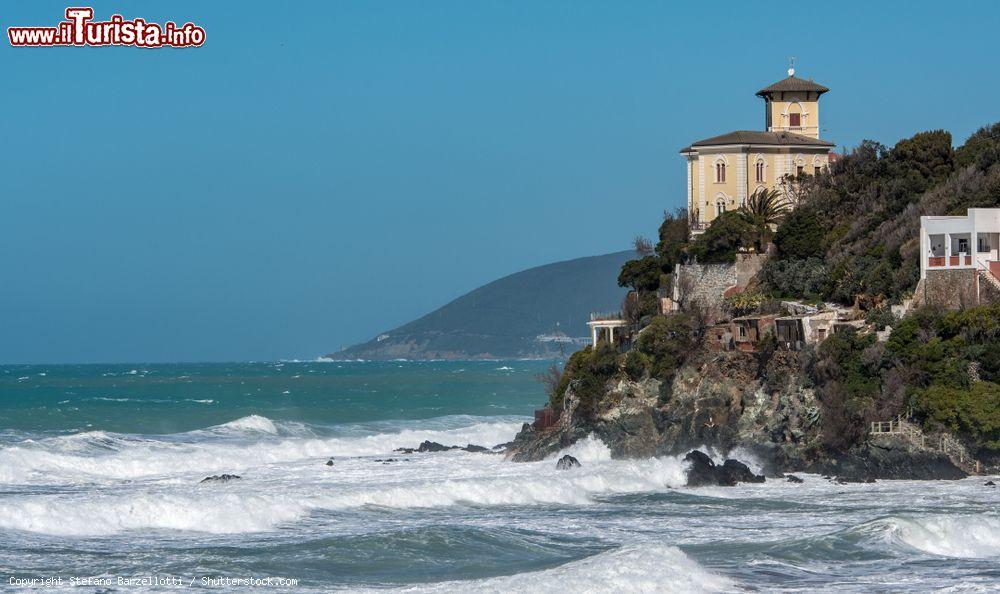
column 791, row 65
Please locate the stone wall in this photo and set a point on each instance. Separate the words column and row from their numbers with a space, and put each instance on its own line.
column 704, row 284
column 747, row 267
column 951, row 289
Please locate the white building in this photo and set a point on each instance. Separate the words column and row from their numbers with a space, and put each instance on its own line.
column 970, row 242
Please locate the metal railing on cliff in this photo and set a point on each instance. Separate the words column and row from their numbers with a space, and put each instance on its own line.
column 944, row 443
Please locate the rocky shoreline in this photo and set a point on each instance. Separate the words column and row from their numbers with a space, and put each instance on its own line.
column 729, row 402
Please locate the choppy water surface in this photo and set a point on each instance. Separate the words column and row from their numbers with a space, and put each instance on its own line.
column 100, row 469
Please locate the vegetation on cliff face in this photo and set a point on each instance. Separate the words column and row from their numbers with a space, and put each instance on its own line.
column 590, row 370
column 952, row 363
column 854, row 231
column 942, row 366
column 660, row 350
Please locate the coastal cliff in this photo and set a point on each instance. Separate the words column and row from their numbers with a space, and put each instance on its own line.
column 830, row 358
column 730, row 402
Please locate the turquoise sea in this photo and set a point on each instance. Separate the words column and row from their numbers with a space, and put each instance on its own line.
column 100, row 470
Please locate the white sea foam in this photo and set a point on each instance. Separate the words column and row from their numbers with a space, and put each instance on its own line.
column 251, row 423
column 262, row 501
column 244, row 443
column 100, row 515
column 636, row 568
column 964, row 536
column 588, row 449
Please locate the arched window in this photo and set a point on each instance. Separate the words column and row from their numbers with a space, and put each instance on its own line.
column 759, row 168
column 720, row 172
column 720, row 206
column 817, row 165
column 795, row 115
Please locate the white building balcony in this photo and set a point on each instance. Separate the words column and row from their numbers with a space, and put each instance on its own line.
column 956, row 242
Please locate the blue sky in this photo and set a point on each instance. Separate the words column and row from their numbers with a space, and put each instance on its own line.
column 320, row 171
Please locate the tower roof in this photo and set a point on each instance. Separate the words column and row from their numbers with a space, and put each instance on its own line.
column 753, row 137
column 791, row 85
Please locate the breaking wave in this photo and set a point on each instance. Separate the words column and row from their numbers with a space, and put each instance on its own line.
column 237, row 445
column 256, row 503
column 965, row 536
column 635, row 568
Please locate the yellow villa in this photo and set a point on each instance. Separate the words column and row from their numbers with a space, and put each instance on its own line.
column 724, row 170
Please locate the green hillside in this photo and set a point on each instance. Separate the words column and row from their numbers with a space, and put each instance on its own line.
column 503, row 318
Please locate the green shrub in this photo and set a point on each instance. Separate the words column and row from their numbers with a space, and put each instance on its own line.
column 666, row 341
column 975, row 411
column 801, row 236
column 637, row 365
column 880, row 317
column 641, row 275
column 718, row 244
column 589, row 371
column 800, row 279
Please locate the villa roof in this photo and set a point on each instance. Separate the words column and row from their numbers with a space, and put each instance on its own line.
column 765, row 138
column 791, row 85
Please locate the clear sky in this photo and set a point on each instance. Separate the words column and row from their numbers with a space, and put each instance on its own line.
column 320, row 171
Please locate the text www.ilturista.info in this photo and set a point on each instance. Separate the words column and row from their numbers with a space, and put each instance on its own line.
column 80, row 29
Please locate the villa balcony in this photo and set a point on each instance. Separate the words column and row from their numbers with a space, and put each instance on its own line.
column 959, row 261
column 601, row 316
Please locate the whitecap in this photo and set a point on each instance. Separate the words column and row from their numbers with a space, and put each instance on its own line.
column 634, row 568
column 965, row 536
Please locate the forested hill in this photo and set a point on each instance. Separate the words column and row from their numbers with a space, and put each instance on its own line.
column 503, row 318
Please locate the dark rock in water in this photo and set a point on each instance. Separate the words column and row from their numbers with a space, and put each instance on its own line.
column 793, row 479
column 990, row 484
column 567, row 462
column 843, row 480
column 329, row 462
column 502, row 446
column 703, row 471
column 892, row 462
column 739, row 472
column 220, row 478
column 433, row 446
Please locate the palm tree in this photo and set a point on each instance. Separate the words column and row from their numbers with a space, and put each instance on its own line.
column 764, row 210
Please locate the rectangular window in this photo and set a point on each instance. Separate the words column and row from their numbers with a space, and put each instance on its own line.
column 963, row 246
column 795, row 120
column 799, row 170
column 984, row 245
column 816, row 170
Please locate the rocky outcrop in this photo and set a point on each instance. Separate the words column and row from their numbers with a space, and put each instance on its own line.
column 703, row 472
column 220, row 478
column 433, row 446
column 719, row 399
column 567, row 462
column 889, row 461
column 758, row 402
